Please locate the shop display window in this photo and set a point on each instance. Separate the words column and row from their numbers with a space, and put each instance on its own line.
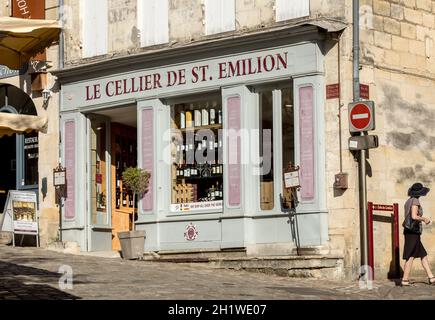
column 98, row 173
column 267, row 132
column 197, row 161
column 31, row 155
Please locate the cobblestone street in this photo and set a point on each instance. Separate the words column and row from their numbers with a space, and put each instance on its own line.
column 29, row 273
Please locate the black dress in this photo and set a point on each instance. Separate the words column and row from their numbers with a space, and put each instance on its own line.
column 413, row 246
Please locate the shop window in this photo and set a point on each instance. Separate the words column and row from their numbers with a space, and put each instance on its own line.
column 94, row 16
column 266, row 151
column 288, row 141
column 220, row 16
column 98, row 173
column 153, row 21
column 31, row 155
column 291, row 9
column 269, row 114
column 197, row 162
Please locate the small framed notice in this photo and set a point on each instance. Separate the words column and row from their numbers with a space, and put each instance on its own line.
column 291, row 179
column 59, row 176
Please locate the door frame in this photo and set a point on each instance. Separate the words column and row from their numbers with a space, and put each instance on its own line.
column 92, row 229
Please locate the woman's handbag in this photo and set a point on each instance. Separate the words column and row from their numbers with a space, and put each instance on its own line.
column 411, row 224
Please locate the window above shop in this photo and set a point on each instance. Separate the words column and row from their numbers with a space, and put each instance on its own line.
column 220, row 16
column 152, row 21
column 94, row 17
column 291, row 9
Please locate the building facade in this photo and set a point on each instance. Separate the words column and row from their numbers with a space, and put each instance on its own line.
column 156, row 83
column 29, row 159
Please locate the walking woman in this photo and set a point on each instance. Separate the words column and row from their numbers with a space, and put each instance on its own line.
column 412, row 230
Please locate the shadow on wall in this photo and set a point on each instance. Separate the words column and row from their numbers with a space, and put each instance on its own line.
column 417, row 119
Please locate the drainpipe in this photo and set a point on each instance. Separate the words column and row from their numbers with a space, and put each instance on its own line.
column 362, row 154
column 61, row 13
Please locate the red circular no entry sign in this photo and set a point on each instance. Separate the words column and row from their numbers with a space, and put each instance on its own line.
column 360, row 116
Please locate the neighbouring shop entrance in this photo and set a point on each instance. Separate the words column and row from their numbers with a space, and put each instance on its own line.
column 112, row 148
column 20, row 152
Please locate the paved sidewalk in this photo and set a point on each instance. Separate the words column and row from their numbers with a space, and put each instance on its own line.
column 29, row 273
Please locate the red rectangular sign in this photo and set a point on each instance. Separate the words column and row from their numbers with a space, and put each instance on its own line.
column 30, row 9
column 333, row 91
column 365, row 91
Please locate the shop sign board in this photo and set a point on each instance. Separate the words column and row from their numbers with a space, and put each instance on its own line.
column 362, row 116
column 333, row 91
column 20, row 215
column 364, row 91
column 5, row 72
column 203, row 74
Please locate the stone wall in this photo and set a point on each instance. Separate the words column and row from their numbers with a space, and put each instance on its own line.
column 397, row 63
column 186, row 23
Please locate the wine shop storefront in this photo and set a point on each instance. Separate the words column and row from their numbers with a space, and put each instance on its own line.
column 216, row 124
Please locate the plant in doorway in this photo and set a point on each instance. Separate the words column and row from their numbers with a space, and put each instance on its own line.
column 132, row 242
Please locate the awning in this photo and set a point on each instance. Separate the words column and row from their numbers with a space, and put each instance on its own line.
column 21, row 39
column 17, row 123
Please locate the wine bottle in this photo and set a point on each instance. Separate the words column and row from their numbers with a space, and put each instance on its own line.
column 182, row 120
column 217, row 191
column 187, row 171
column 198, row 118
column 213, row 193
column 189, row 117
column 118, row 198
column 212, row 116
column 124, row 198
column 205, row 115
column 220, row 116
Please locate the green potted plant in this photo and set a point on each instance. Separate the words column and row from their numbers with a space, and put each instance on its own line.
column 132, row 242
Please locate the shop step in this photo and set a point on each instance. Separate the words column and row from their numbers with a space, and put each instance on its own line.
column 306, row 266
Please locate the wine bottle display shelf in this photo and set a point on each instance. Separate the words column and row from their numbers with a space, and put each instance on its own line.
column 209, row 127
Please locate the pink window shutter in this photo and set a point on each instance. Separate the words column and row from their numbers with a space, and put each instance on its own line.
column 148, row 155
column 306, row 98
column 70, row 164
column 234, row 151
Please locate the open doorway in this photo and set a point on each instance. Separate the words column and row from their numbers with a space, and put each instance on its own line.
column 113, row 148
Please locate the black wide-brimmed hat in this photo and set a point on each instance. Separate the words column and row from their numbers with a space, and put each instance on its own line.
column 418, row 190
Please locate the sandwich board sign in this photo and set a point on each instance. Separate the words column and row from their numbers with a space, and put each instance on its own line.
column 20, row 215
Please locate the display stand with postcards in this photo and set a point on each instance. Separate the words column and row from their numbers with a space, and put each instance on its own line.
column 20, row 216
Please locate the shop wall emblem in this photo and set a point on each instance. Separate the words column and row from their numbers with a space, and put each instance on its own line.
column 191, row 232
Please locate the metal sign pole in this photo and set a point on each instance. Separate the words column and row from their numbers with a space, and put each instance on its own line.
column 362, row 153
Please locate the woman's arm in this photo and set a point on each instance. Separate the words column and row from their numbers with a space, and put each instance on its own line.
column 415, row 216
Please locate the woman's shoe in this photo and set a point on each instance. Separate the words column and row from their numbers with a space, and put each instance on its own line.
column 405, row 283
column 431, row 280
